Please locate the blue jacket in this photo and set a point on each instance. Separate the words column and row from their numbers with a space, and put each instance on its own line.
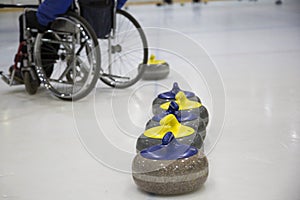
column 50, row 9
column 121, row 3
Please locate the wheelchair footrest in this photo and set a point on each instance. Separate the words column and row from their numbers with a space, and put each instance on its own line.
column 7, row 79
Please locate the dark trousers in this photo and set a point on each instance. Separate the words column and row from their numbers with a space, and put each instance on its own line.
column 31, row 22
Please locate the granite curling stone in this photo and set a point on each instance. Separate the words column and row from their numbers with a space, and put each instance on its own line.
column 184, row 117
column 185, row 105
column 170, row 96
column 156, row 69
column 170, row 168
column 184, row 134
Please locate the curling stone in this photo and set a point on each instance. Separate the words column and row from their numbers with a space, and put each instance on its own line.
column 184, row 134
column 156, row 69
column 170, row 168
column 170, row 96
column 184, row 117
column 185, row 105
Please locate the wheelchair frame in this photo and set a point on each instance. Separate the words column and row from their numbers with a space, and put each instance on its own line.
column 107, row 78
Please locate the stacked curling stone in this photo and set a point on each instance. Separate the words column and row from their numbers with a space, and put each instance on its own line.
column 186, row 100
column 169, row 156
column 184, row 134
column 170, row 168
column 183, row 117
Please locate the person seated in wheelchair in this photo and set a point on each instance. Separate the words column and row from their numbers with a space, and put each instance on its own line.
column 41, row 20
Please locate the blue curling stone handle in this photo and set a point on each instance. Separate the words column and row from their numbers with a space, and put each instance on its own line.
column 169, row 149
column 171, row 94
column 182, row 116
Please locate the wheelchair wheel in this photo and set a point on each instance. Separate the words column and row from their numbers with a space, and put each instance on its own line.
column 67, row 57
column 31, row 85
column 125, row 54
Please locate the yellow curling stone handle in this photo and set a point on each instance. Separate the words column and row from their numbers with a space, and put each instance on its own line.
column 183, row 102
column 169, row 124
column 153, row 61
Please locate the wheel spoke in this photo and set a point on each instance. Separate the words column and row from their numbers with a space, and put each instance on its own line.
column 73, row 67
column 125, row 63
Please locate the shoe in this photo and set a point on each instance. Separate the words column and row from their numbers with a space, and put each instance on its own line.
column 18, row 77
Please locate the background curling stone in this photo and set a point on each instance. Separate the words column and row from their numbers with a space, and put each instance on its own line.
column 156, row 69
column 185, row 105
column 185, row 118
column 184, row 134
column 170, row 96
column 170, row 168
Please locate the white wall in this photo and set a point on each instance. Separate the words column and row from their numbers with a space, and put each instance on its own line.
column 19, row 1
column 35, row 1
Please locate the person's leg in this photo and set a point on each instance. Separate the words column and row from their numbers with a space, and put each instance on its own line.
column 28, row 19
column 21, row 27
column 31, row 22
column 14, row 70
column 47, row 49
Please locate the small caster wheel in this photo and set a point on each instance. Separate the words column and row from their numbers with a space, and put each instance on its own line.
column 31, row 85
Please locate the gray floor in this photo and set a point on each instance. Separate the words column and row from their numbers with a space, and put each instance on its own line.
column 241, row 58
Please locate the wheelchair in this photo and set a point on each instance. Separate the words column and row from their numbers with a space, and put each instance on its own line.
column 66, row 59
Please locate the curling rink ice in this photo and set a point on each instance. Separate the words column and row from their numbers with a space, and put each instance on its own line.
column 242, row 58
